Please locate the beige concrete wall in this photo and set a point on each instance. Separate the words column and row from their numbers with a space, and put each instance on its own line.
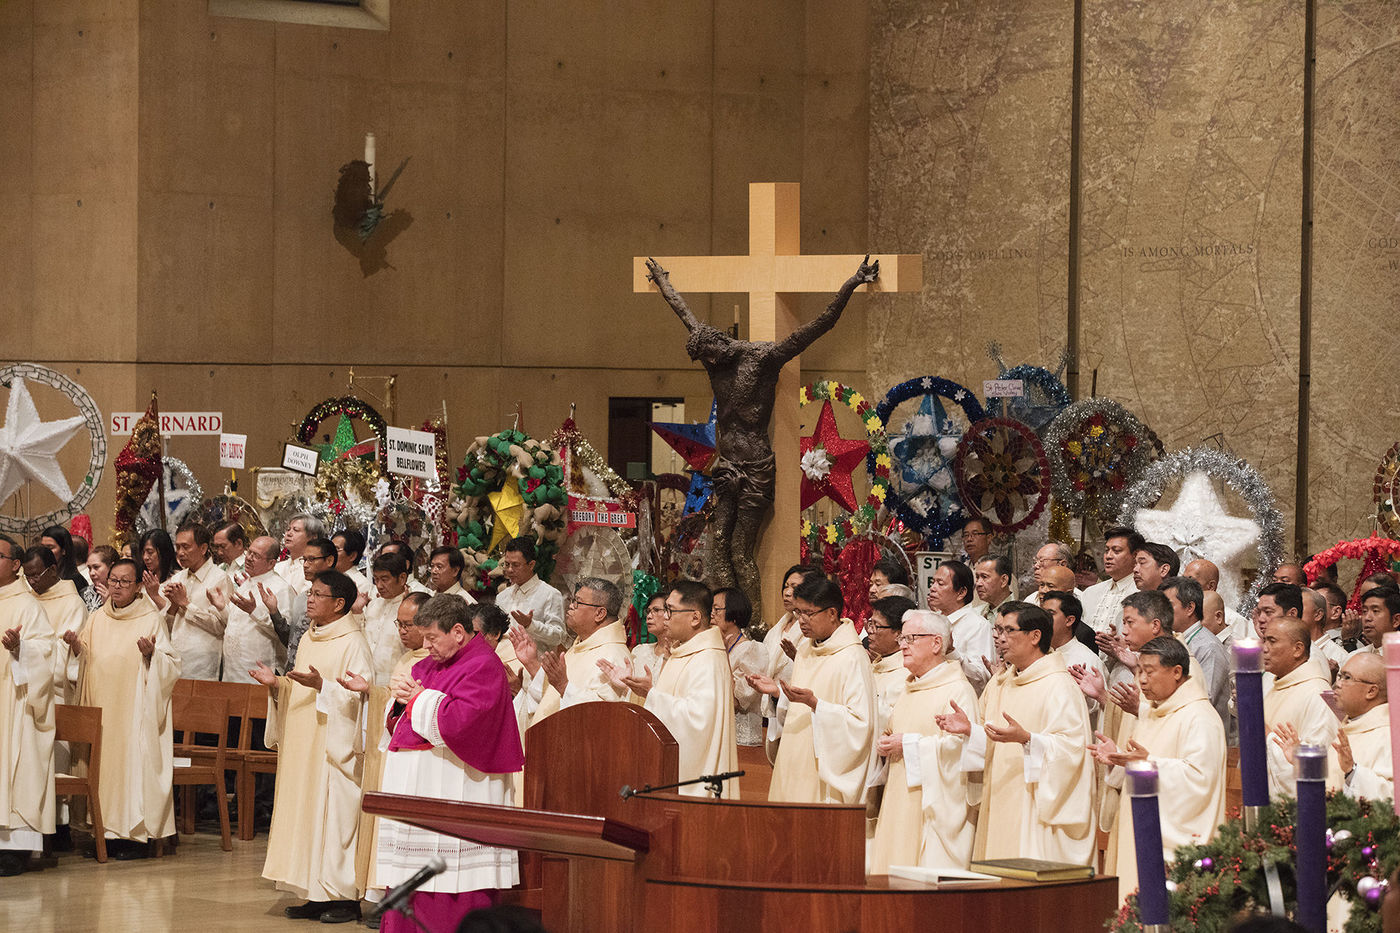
column 549, row 143
column 1191, row 220
column 1356, row 271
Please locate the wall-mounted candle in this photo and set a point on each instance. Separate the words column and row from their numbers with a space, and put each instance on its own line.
column 369, row 159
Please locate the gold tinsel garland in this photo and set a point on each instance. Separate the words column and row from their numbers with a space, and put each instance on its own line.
column 138, row 466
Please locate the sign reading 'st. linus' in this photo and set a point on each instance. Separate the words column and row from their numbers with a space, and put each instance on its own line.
column 412, row 453
column 232, row 450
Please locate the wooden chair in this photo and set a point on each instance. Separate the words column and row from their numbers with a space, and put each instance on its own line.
column 82, row 725
column 193, row 716
column 235, row 695
column 255, row 760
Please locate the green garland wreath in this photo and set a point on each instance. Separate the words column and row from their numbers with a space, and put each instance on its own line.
column 490, row 463
column 1212, row 884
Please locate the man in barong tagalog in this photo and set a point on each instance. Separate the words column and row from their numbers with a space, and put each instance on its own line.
column 744, row 378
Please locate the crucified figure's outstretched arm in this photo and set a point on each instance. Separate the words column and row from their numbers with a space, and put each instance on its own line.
column 662, row 278
column 794, row 343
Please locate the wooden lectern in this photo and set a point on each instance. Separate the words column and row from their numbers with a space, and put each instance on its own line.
column 667, row 862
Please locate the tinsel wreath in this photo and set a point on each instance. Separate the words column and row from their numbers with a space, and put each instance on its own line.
column 1097, row 449
column 583, row 454
column 510, row 457
column 1375, row 553
column 350, row 407
column 1213, row 884
column 346, row 488
column 1235, row 473
column 184, row 498
column 138, row 467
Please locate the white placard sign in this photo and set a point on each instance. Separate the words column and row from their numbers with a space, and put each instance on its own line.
column 1003, row 388
column 232, row 449
column 172, row 423
column 300, row 459
column 925, row 563
column 412, row 453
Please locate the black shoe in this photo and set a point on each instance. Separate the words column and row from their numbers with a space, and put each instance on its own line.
column 308, row 911
column 12, row 864
column 63, row 839
column 373, row 922
column 128, row 851
column 341, row 912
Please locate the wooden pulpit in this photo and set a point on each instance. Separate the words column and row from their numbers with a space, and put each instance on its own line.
column 661, row 861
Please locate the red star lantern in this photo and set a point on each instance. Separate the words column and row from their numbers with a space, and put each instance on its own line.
column 842, row 457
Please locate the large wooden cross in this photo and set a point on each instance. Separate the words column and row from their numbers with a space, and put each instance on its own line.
column 774, row 274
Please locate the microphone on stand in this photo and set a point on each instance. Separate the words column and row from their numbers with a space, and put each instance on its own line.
column 398, row 897
column 714, row 783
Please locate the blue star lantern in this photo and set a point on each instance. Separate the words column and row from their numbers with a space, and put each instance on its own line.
column 923, row 455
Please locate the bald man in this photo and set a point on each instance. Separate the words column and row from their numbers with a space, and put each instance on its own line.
column 1290, row 573
column 1054, row 573
column 1326, row 652
column 1360, row 762
column 1061, row 580
column 1208, row 576
column 1213, row 609
column 1294, row 711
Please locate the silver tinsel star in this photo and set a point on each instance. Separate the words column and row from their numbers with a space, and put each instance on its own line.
column 1197, row 525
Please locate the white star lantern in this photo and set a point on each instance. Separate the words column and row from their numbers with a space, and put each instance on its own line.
column 29, row 447
column 1197, row 525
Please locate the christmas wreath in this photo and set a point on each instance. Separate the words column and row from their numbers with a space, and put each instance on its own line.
column 509, row 485
column 1375, row 552
column 1003, row 473
column 347, row 406
column 1212, row 884
column 1046, row 396
column 877, row 464
column 926, row 496
column 1097, row 449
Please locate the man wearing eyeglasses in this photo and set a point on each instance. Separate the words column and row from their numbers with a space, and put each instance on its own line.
column 314, row 722
column 26, row 716
column 560, row 679
column 886, row 617
column 1180, row 731
column 926, row 813
column 1360, row 762
column 66, row 612
column 1038, row 792
column 129, row 669
column 694, row 693
column 826, row 716
column 251, row 638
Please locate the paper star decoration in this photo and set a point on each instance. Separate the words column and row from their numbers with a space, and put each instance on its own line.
column 1197, row 525
column 694, row 442
column 701, row 488
column 509, row 508
column 924, row 455
column 29, row 447
column 843, row 456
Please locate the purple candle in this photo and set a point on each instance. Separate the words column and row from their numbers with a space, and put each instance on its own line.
column 1147, row 838
column 1309, row 833
column 1390, row 650
column 1249, row 708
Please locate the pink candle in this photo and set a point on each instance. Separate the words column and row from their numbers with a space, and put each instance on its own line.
column 1390, row 650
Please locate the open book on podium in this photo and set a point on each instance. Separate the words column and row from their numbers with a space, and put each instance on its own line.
column 594, row 860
